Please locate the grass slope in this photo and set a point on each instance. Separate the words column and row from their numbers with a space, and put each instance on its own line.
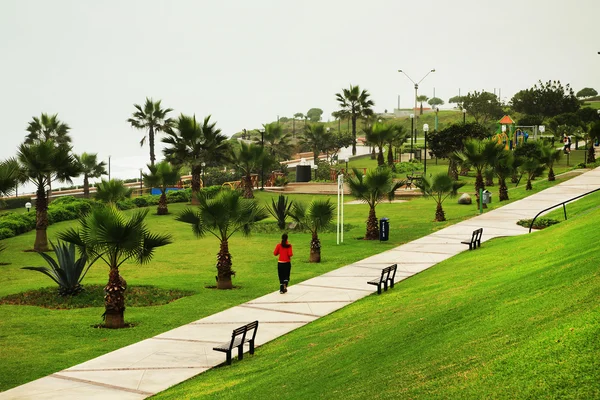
column 518, row 318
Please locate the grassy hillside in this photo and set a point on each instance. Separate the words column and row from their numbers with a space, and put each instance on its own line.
column 517, row 319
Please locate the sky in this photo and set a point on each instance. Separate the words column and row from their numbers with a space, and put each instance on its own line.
column 247, row 62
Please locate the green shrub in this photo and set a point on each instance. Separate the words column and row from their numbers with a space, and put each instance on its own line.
column 125, row 204
column 19, row 223
column 216, row 176
column 210, row 191
column 179, row 196
column 403, row 167
column 540, row 223
column 14, row 202
column 6, row 233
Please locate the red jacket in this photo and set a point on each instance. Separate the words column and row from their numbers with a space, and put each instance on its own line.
column 284, row 253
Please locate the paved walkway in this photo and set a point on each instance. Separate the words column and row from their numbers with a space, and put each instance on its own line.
column 155, row 364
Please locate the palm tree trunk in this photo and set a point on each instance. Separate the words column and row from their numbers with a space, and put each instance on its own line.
column 551, row 176
column 353, row 133
column 315, row 249
column 591, row 158
column 224, row 271
column 439, row 213
column 372, row 228
column 151, row 144
column 195, row 187
column 86, row 187
column 452, row 170
column 380, row 159
column 390, row 156
column 247, row 187
column 162, row 208
column 114, row 300
column 41, row 220
column 503, row 190
column 528, row 185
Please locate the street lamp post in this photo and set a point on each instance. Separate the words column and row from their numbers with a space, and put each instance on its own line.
column 412, row 124
column 416, row 89
column 262, row 163
column 464, row 116
column 425, row 129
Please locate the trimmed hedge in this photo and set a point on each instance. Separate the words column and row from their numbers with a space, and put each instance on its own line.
column 14, row 202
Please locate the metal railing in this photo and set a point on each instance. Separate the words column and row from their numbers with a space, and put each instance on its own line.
column 560, row 204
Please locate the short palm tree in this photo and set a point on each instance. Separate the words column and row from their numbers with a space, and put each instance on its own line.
column 190, row 144
column 397, row 139
column 162, row 176
column 10, row 176
column 247, row 160
column 317, row 216
column 315, row 138
column 222, row 216
column 439, row 187
column 277, row 141
column 355, row 103
column 280, row 210
column 531, row 167
column 549, row 156
column 112, row 191
column 42, row 163
column 109, row 235
column 153, row 119
column 478, row 154
column 372, row 189
column 421, row 99
column 90, row 168
column 504, row 166
column 379, row 135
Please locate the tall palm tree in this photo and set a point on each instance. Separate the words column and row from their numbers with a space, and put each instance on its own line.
column 90, row 168
column 43, row 163
column 373, row 188
column 247, row 160
column 162, row 176
column 153, row 119
column 222, row 216
column 112, row 191
column 190, row 144
column 439, row 187
column 277, row 142
column 47, row 127
column 316, row 138
column 355, row 103
column 315, row 217
column 107, row 234
column 10, row 176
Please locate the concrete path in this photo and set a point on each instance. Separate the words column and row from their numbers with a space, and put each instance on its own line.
column 155, row 364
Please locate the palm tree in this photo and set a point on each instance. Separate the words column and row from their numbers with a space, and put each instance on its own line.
column 277, row 141
column 549, row 156
column 316, row 137
column 315, row 217
column 439, row 187
column 107, row 234
column 477, row 153
column 222, row 216
column 91, row 168
column 48, row 127
column 355, row 103
column 421, row 99
column 162, row 175
column 191, row 144
column 112, row 191
column 10, row 176
column 532, row 167
column 397, row 139
column 379, row 135
column 151, row 118
column 247, row 160
column 42, row 163
column 372, row 188
column 504, row 166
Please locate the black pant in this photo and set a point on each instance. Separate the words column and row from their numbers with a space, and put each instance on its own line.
column 283, row 269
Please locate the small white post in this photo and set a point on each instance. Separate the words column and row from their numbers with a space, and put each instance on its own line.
column 342, row 204
column 337, row 226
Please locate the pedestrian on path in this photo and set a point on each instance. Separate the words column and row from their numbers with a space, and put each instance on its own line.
column 284, row 266
column 567, row 142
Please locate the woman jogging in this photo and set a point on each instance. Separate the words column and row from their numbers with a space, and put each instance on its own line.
column 284, row 266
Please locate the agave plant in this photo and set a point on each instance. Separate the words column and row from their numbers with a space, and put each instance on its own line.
column 280, row 210
column 65, row 270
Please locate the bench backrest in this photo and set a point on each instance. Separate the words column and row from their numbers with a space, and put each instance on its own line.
column 243, row 331
column 385, row 273
column 477, row 234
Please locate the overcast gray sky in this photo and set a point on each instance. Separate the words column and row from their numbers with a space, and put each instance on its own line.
column 245, row 62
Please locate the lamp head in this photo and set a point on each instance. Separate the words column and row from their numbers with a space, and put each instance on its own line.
column 464, row 110
column 346, row 159
column 412, row 116
column 433, row 70
column 203, row 164
column 425, row 127
column 28, row 206
column 399, row 70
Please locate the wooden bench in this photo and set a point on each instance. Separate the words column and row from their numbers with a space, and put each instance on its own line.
column 414, row 178
column 239, row 337
column 475, row 241
column 387, row 275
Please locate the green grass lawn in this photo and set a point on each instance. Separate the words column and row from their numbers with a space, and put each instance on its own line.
column 516, row 319
column 38, row 341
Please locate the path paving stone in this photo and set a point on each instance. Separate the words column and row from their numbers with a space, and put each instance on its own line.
column 153, row 365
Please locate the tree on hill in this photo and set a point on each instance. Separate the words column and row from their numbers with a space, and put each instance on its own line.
column 421, row 99
column 314, row 114
column 482, row 106
column 546, row 99
column 355, row 103
column 153, row 119
column 586, row 92
column 456, row 100
column 435, row 101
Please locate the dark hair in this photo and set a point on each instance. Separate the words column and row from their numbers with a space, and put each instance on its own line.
column 284, row 242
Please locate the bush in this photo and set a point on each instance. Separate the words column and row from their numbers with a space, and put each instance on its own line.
column 18, row 223
column 179, row 196
column 216, row 177
column 146, row 201
column 125, row 204
column 210, row 191
column 403, row 167
column 540, row 223
column 14, row 202
column 6, row 233
column 57, row 214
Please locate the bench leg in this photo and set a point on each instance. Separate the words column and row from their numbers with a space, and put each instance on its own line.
column 229, row 358
column 241, row 352
column 385, row 286
column 379, row 289
column 252, row 347
column 391, row 283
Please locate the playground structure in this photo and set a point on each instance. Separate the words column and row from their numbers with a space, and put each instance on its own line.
column 512, row 135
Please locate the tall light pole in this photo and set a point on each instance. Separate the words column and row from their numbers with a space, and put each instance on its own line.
column 262, row 163
column 464, row 116
column 412, row 129
column 416, row 87
column 425, row 129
